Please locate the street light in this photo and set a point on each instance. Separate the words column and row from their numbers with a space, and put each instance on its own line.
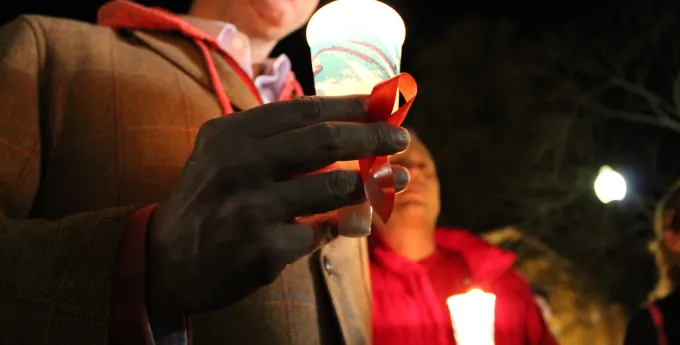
column 609, row 185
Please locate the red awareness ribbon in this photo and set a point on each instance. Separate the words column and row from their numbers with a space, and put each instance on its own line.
column 376, row 172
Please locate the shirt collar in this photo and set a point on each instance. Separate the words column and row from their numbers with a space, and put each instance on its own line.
column 237, row 45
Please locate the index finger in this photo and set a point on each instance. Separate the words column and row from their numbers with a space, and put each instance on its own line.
column 279, row 117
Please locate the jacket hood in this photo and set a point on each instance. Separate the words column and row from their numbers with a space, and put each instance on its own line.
column 485, row 261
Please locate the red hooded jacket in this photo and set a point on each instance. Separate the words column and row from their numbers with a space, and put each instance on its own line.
column 407, row 309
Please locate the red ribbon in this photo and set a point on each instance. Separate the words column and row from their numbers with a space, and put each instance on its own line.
column 376, row 172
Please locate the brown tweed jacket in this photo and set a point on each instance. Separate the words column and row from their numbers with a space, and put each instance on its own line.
column 93, row 122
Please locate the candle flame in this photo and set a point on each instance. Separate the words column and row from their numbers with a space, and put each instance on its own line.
column 473, row 317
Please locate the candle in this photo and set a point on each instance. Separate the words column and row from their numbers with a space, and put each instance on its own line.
column 473, row 317
column 355, row 44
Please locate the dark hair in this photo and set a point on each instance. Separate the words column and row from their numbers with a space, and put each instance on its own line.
column 414, row 134
column 410, row 130
column 539, row 291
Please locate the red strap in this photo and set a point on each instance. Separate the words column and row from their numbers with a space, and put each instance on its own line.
column 215, row 78
column 129, row 320
column 123, row 14
column 291, row 88
column 657, row 318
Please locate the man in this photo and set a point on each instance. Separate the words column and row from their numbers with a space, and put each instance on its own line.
column 415, row 268
column 128, row 201
column 657, row 323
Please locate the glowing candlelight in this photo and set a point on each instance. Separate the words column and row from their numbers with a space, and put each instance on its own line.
column 473, row 317
column 355, row 44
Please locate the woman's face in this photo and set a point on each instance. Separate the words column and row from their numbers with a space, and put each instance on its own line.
column 671, row 236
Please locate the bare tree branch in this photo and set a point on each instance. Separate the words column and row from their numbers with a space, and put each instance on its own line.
column 558, row 159
column 676, row 93
column 647, row 119
column 657, row 103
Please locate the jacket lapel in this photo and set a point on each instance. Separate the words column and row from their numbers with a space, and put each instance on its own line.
column 185, row 55
column 346, row 272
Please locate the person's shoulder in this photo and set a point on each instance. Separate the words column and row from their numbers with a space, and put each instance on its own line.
column 641, row 329
column 514, row 281
column 63, row 29
column 671, row 300
column 640, row 316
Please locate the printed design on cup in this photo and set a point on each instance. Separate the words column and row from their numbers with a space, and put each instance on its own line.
column 353, row 66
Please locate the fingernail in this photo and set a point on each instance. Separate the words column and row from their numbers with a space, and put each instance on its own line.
column 401, row 178
column 402, row 138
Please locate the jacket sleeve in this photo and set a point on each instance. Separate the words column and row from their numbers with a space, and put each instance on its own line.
column 58, row 276
column 640, row 330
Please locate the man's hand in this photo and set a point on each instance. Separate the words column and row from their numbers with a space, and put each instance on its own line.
column 228, row 227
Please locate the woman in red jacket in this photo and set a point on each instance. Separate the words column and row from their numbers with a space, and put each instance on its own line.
column 416, row 267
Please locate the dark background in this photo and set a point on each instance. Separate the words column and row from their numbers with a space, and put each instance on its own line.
column 517, row 103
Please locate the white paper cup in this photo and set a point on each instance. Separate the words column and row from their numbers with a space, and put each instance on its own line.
column 355, row 44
